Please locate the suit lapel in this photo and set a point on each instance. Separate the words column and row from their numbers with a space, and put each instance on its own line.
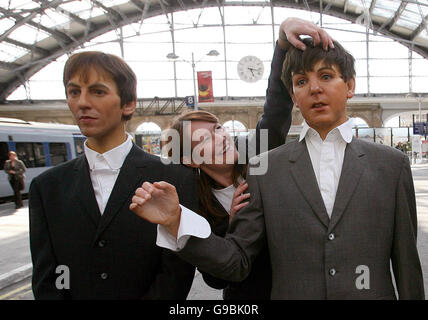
column 304, row 176
column 130, row 177
column 84, row 191
column 352, row 169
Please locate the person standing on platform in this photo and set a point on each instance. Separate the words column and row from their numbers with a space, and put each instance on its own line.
column 15, row 170
column 335, row 211
column 85, row 243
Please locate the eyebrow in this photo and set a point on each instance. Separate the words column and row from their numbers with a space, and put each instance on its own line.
column 301, row 72
column 95, row 85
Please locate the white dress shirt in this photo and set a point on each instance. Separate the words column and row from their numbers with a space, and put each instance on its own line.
column 327, row 158
column 327, row 161
column 104, row 169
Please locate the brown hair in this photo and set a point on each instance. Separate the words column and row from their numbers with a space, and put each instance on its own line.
column 117, row 68
column 205, row 183
column 297, row 61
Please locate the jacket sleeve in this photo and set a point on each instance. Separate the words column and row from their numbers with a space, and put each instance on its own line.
column 405, row 258
column 42, row 255
column 6, row 166
column 22, row 168
column 277, row 108
column 175, row 276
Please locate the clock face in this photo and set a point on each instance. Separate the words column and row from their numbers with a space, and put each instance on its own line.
column 250, row 69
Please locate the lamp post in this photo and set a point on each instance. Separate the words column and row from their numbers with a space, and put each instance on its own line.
column 419, row 97
column 212, row 53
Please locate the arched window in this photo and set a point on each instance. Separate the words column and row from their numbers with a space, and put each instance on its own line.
column 235, row 128
column 147, row 137
column 360, row 123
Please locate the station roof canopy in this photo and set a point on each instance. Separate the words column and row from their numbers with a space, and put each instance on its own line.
column 35, row 33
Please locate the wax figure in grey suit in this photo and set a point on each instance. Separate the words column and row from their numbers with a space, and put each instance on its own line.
column 314, row 256
column 110, row 253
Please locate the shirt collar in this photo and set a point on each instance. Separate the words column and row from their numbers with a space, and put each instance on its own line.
column 345, row 130
column 114, row 157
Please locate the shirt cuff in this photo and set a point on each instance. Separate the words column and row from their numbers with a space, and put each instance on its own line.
column 191, row 224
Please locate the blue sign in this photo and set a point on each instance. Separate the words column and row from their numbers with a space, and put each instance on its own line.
column 190, row 101
column 420, row 128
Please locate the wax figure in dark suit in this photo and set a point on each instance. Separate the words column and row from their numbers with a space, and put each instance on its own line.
column 74, row 222
column 319, row 248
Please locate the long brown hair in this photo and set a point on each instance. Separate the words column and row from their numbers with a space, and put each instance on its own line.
column 207, row 200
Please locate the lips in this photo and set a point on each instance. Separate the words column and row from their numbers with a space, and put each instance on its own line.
column 86, row 118
column 318, row 105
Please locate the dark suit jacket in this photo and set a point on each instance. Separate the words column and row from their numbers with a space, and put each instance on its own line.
column 277, row 120
column 314, row 257
column 109, row 256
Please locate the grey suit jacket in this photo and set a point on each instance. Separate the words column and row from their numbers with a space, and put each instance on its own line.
column 373, row 222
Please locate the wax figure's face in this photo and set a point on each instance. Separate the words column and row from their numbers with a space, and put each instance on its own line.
column 95, row 103
column 321, row 96
column 211, row 143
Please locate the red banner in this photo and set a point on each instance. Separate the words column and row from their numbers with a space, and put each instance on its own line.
column 205, row 86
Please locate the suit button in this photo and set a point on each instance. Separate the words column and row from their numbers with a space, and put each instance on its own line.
column 102, row 243
column 104, row 276
column 332, row 272
column 331, row 236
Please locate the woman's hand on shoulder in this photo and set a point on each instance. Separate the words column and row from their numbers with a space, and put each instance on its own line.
column 239, row 199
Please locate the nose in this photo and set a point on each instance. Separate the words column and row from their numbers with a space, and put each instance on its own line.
column 84, row 101
column 315, row 86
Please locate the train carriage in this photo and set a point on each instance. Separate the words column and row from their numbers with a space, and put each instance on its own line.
column 39, row 145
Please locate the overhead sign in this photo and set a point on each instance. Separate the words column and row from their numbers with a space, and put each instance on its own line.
column 205, row 86
column 190, row 101
column 420, row 128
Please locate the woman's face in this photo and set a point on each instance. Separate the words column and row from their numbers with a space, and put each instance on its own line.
column 210, row 144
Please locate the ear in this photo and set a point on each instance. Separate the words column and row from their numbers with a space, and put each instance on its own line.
column 351, row 88
column 129, row 108
column 294, row 99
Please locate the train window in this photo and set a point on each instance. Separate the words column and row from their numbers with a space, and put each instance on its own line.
column 4, row 150
column 78, row 142
column 32, row 154
column 58, row 153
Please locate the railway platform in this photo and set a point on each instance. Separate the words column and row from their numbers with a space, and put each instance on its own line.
column 15, row 258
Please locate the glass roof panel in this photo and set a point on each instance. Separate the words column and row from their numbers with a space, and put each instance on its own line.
column 6, row 24
column 188, row 18
column 381, row 12
column 9, row 52
column 407, row 23
column 110, row 3
column 21, row 4
column 28, row 34
column 52, row 18
column 390, row 5
column 84, row 10
column 386, row 8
